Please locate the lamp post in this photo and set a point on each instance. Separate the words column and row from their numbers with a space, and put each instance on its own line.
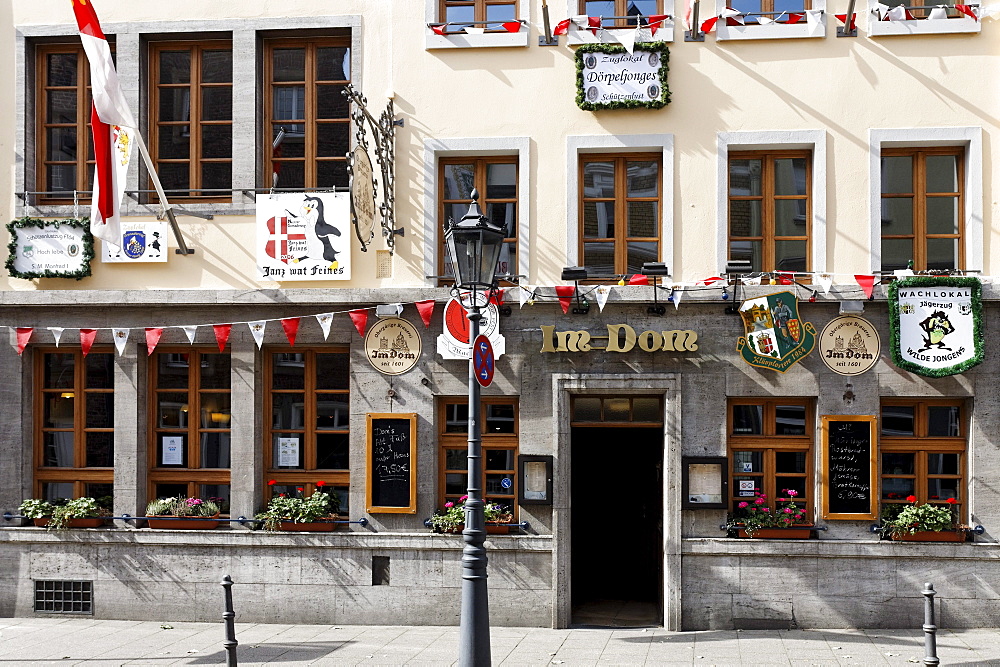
column 474, row 244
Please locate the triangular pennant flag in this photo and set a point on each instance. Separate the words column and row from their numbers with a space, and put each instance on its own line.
column 524, row 294
column 594, row 22
column 562, row 27
column 938, row 13
column 814, row 19
column 602, row 292
column 867, row 284
column 190, row 332
column 257, row 330
column 794, row 18
column 626, row 38
column 656, row 22
column 222, row 335
column 470, row 30
column 732, row 16
column 291, row 327
column 899, row 13
column 120, row 336
column 824, row 280
column 426, row 310
column 709, row 25
column 711, row 281
column 675, row 296
column 638, row 279
column 512, row 26
column 565, row 293
column 438, row 29
column 325, row 319
column 785, row 277
column 763, row 20
column 880, row 11
column 360, row 319
column 968, row 10
column 56, row 333
column 153, row 335
column 87, row 337
column 23, row 336
column 752, row 281
column 854, row 18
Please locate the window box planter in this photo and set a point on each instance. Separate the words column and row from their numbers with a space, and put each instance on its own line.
column 168, row 522
column 498, row 528
column 794, row 533
column 88, row 522
column 308, row 526
column 931, row 536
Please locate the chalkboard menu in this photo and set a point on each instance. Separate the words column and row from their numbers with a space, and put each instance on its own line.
column 392, row 458
column 849, row 467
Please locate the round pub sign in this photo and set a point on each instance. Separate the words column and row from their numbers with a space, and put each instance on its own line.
column 849, row 345
column 393, row 346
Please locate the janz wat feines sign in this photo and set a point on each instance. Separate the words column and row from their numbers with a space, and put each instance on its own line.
column 304, row 236
column 936, row 324
column 609, row 77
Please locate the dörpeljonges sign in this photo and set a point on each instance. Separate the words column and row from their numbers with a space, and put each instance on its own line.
column 610, row 77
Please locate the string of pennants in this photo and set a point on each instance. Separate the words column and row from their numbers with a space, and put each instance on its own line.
column 442, row 28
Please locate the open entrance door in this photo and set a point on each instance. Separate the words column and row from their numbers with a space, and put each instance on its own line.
column 616, row 509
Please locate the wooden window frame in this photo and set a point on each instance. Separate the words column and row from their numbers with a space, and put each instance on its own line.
column 480, row 165
column 479, row 9
column 79, row 474
column 192, row 474
column 621, row 200
column 310, row 121
column 767, row 9
column 621, row 9
column 84, row 134
column 921, row 445
column 770, row 444
column 306, row 477
column 608, row 423
column 195, row 122
column 919, row 195
column 490, row 441
column 767, row 198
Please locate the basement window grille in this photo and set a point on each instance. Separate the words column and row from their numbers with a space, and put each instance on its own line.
column 64, row 597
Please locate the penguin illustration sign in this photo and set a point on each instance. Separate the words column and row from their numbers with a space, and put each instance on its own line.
column 304, row 236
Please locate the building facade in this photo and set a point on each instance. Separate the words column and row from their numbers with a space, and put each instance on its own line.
column 824, row 163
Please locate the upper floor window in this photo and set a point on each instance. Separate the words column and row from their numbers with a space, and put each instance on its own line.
column 776, row 10
column 496, row 180
column 488, row 14
column 75, row 434
column 191, row 117
column 770, row 209
column 306, row 117
column 625, row 10
column 620, row 212
column 499, row 441
column 922, row 208
column 65, row 151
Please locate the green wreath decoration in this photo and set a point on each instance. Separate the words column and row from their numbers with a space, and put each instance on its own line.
column 86, row 257
column 977, row 323
column 662, row 100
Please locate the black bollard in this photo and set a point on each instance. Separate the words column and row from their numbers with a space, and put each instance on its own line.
column 930, row 630
column 229, row 618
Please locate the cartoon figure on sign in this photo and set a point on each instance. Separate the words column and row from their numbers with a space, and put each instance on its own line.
column 936, row 327
column 312, row 212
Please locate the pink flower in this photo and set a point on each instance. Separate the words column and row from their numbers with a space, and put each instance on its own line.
column 759, row 501
column 765, row 509
column 743, row 504
column 449, row 504
column 792, row 493
column 193, row 502
column 463, row 499
column 789, row 510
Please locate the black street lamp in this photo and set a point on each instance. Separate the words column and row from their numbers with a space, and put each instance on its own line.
column 474, row 244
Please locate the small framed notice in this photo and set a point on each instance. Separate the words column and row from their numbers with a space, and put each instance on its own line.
column 288, row 452
column 173, row 451
column 704, row 483
column 392, row 459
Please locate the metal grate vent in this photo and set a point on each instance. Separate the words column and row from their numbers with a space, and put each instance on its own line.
column 383, row 264
column 64, row 597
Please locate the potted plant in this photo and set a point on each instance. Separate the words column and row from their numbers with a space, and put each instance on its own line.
column 498, row 518
column 313, row 513
column 451, row 519
column 62, row 514
column 182, row 513
column 755, row 519
column 922, row 523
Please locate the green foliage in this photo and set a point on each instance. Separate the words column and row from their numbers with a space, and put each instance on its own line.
column 754, row 515
column 34, row 508
column 81, row 508
column 87, row 254
column 915, row 518
column 452, row 517
column 581, row 92
column 319, row 506
column 181, row 506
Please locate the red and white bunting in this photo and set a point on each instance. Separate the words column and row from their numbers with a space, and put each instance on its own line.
column 56, row 333
column 325, row 320
column 153, row 335
column 360, row 319
column 120, row 337
column 602, row 293
column 23, row 336
column 257, row 331
column 291, row 327
column 426, row 311
column 222, row 332
column 512, row 26
column 87, row 337
column 190, row 332
column 638, row 279
column 843, row 19
column 867, row 284
column 562, row 27
column 565, row 294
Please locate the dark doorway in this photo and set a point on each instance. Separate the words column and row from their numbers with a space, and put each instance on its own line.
column 616, row 509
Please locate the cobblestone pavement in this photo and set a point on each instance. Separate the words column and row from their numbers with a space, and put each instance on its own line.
column 95, row 643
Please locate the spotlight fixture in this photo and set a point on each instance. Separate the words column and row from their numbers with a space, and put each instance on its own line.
column 576, row 274
column 656, row 269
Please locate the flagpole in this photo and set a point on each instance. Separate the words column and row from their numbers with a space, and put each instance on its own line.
column 182, row 248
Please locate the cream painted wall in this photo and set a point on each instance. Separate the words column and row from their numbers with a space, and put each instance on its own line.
column 843, row 87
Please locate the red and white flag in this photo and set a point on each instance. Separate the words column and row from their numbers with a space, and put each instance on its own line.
column 113, row 126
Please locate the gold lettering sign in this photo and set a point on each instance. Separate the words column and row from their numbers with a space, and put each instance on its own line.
column 620, row 338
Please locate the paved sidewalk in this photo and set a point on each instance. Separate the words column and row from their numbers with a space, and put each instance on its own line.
column 93, row 643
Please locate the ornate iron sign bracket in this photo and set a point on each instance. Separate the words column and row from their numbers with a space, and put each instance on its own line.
column 383, row 130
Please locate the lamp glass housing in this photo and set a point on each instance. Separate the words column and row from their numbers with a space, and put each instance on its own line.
column 475, row 244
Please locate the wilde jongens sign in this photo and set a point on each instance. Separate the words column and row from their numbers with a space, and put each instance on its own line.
column 609, row 77
column 620, row 338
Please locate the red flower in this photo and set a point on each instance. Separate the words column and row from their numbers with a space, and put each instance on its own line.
column 281, row 495
column 951, row 501
column 911, row 499
column 321, row 484
column 298, row 488
column 272, row 482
